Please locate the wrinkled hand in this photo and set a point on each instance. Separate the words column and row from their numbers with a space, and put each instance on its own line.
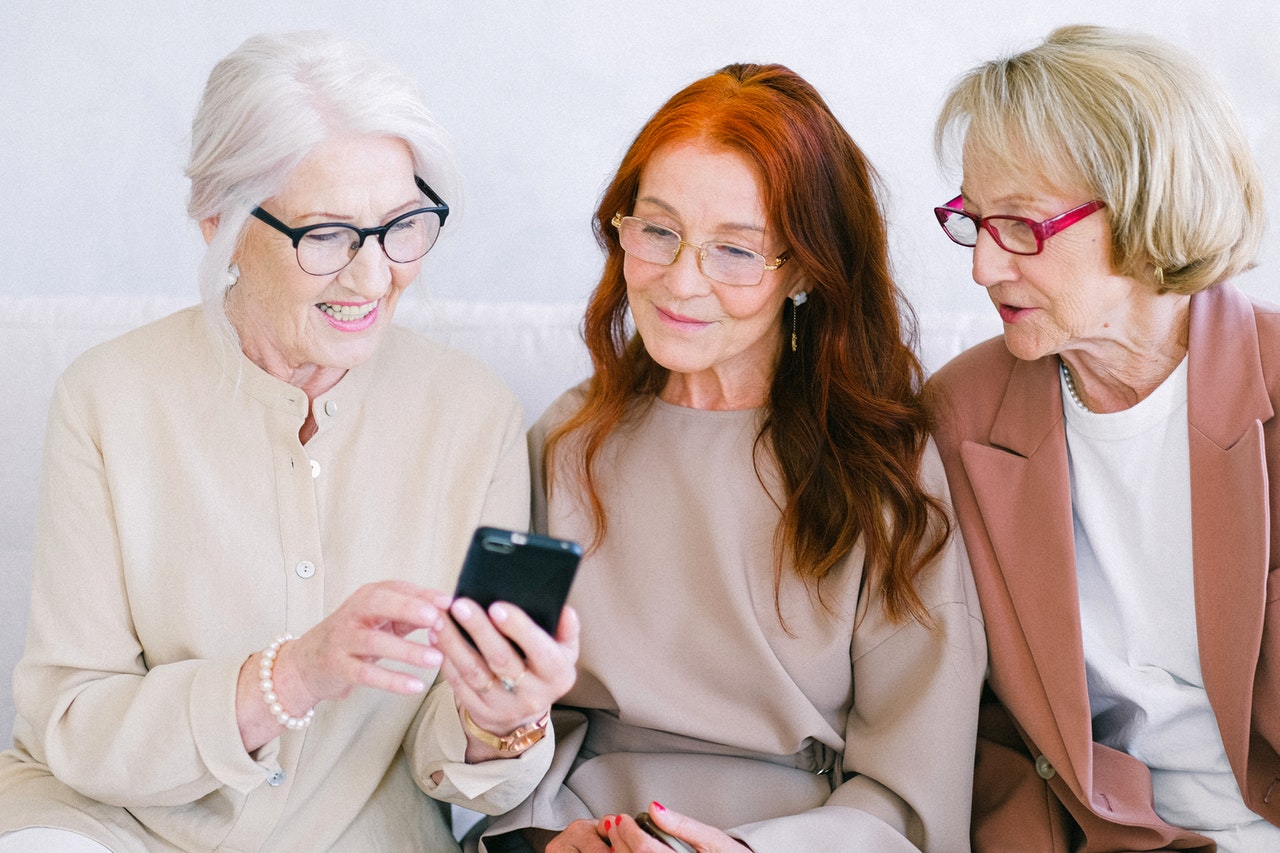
column 342, row 652
column 501, row 690
column 626, row 836
column 345, row 649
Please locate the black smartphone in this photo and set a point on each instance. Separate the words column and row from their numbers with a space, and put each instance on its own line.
column 530, row 571
column 647, row 824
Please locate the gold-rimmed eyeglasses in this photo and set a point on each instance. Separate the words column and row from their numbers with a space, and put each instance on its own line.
column 723, row 262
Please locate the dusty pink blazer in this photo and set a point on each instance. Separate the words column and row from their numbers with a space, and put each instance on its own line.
column 1042, row 784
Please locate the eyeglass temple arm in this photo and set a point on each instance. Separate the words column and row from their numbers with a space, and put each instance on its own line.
column 431, row 194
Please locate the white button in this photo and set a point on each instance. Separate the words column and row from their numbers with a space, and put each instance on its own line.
column 276, row 779
column 305, row 569
column 315, row 469
column 331, row 408
column 1044, row 769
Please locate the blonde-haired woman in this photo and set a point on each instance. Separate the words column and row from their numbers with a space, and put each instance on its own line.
column 1113, row 457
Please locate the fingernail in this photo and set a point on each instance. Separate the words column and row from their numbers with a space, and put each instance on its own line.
column 463, row 609
column 656, row 806
column 427, row 615
column 432, row 657
column 415, row 686
column 608, row 825
column 497, row 612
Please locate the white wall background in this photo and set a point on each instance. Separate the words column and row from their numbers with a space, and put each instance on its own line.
column 541, row 99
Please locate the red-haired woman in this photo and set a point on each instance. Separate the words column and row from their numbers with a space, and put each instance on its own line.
column 781, row 644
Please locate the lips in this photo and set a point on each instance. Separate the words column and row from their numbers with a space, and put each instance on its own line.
column 349, row 316
column 1012, row 313
column 679, row 320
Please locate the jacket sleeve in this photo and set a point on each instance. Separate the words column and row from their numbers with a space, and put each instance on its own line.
column 83, row 663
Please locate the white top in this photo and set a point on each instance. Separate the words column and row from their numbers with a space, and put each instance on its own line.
column 1131, row 501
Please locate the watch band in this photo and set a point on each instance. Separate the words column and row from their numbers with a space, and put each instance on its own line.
column 512, row 744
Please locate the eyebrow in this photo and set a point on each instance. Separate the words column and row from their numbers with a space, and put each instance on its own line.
column 747, row 227
column 326, row 216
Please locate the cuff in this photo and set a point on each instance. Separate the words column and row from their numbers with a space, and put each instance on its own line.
column 216, row 731
column 490, row 787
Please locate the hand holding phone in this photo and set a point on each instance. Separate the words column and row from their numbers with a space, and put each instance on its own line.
column 647, row 823
column 530, row 571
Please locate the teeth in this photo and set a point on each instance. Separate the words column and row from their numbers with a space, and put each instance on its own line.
column 347, row 313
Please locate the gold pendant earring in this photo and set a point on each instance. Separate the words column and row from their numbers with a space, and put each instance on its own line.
column 797, row 299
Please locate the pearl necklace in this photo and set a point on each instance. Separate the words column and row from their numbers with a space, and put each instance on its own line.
column 1071, row 386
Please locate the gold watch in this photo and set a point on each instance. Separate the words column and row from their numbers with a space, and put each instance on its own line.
column 511, row 744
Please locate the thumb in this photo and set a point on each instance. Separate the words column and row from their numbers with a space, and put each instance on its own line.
column 685, row 829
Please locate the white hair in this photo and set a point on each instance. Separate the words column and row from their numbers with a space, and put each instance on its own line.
column 268, row 104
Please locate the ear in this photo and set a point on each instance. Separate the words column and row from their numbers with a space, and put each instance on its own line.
column 208, row 228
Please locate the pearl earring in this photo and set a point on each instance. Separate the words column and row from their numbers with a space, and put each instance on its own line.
column 233, row 275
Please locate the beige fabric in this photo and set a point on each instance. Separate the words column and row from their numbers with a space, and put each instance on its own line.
column 176, row 507
column 697, row 696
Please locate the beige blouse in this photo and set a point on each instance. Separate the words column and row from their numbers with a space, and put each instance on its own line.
column 182, row 527
column 827, row 729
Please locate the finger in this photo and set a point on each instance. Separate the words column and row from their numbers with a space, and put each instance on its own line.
column 470, row 683
column 695, row 833
column 379, row 644
column 550, row 660
column 625, row 836
column 567, row 630
column 390, row 602
column 330, row 672
column 497, row 653
column 369, row 674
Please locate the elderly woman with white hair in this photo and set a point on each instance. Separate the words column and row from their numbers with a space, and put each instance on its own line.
column 239, row 632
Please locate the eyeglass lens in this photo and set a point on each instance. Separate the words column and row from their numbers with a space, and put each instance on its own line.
column 724, row 262
column 1010, row 233
column 325, row 250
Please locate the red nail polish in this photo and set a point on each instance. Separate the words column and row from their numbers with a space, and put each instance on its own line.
column 657, row 806
column 608, row 825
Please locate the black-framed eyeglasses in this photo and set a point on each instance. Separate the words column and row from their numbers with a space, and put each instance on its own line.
column 327, row 247
column 1015, row 234
column 724, row 262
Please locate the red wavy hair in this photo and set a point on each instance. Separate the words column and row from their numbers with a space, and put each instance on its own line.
column 844, row 419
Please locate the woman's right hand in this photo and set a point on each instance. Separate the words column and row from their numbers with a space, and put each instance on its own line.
column 342, row 652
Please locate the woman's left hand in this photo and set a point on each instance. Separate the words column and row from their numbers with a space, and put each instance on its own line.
column 626, row 836
column 491, row 681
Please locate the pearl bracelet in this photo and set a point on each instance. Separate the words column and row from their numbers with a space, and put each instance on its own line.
column 269, row 688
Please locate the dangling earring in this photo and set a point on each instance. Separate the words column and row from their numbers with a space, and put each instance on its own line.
column 797, row 299
column 233, row 275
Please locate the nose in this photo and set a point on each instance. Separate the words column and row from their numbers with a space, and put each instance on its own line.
column 369, row 272
column 991, row 264
column 684, row 275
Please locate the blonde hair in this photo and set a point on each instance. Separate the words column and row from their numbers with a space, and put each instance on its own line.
column 1137, row 123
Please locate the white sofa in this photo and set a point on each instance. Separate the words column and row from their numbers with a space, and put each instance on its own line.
column 535, row 347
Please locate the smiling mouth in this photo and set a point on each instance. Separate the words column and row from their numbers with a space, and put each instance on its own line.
column 347, row 313
column 680, row 319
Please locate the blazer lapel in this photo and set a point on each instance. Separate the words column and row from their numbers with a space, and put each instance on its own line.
column 1227, row 402
column 1021, row 480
